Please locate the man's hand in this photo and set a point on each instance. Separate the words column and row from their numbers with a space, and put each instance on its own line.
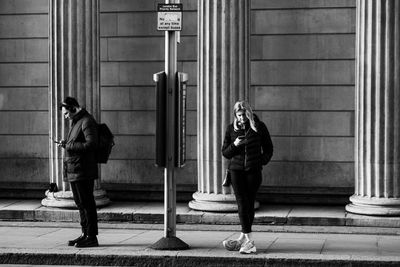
column 62, row 143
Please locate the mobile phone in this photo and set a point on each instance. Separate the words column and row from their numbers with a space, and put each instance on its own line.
column 55, row 141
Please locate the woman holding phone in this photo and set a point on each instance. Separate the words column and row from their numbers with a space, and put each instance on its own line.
column 248, row 146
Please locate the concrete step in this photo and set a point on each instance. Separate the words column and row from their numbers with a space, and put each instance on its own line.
column 153, row 212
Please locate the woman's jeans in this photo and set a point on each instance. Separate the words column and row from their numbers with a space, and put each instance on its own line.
column 245, row 185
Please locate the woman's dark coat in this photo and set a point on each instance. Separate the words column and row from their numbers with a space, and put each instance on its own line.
column 80, row 161
column 256, row 151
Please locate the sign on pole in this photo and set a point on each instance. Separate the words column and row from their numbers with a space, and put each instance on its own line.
column 169, row 17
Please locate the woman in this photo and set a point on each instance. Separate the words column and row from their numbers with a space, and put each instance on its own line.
column 248, row 146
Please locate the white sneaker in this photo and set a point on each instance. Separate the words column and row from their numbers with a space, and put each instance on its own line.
column 248, row 248
column 232, row 245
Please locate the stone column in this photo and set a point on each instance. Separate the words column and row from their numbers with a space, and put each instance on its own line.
column 377, row 140
column 74, row 71
column 223, row 78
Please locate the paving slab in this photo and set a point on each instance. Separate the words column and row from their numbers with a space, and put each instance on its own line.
column 219, row 218
column 119, row 211
column 272, row 214
column 21, row 209
column 317, row 215
column 389, row 246
column 198, row 240
column 151, row 212
column 351, row 245
column 378, row 221
column 297, row 245
column 6, row 202
column 29, row 204
column 50, row 214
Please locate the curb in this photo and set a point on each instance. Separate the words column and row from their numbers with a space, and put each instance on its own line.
column 174, row 259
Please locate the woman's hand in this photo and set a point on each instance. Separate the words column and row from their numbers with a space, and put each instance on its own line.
column 239, row 141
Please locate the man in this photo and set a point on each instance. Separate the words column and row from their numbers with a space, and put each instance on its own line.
column 80, row 168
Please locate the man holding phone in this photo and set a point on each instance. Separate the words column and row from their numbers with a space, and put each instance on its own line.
column 80, row 168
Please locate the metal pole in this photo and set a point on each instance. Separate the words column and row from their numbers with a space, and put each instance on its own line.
column 170, row 241
column 169, row 183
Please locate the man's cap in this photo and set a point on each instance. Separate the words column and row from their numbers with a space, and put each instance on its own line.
column 69, row 102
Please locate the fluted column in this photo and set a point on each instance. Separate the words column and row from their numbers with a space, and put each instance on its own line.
column 377, row 142
column 74, row 71
column 223, row 78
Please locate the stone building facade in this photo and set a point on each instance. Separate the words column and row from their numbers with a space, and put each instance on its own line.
column 295, row 61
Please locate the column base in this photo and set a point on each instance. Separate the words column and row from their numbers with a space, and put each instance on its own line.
column 215, row 202
column 374, row 206
column 65, row 199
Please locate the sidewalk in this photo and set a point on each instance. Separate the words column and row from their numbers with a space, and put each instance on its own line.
column 284, row 236
column 127, row 245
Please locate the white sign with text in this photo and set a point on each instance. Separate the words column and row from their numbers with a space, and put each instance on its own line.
column 169, row 17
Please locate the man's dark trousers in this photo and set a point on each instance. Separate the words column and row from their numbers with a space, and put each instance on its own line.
column 84, row 199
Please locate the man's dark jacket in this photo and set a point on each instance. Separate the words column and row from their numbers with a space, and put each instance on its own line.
column 256, row 151
column 80, row 161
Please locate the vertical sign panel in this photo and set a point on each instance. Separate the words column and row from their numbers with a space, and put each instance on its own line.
column 161, row 118
column 182, row 79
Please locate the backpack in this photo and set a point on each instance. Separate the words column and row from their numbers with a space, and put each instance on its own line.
column 106, row 142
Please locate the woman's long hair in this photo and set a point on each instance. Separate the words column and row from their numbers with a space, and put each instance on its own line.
column 243, row 105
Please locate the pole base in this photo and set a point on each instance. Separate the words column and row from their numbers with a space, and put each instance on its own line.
column 170, row 243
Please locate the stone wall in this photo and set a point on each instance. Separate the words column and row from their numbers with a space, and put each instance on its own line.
column 131, row 51
column 302, row 77
column 23, row 96
column 302, row 86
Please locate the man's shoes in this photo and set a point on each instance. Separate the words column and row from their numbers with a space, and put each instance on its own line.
column 232, row 245
column 76, row 240
column 88, row 242
column 248, row 248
